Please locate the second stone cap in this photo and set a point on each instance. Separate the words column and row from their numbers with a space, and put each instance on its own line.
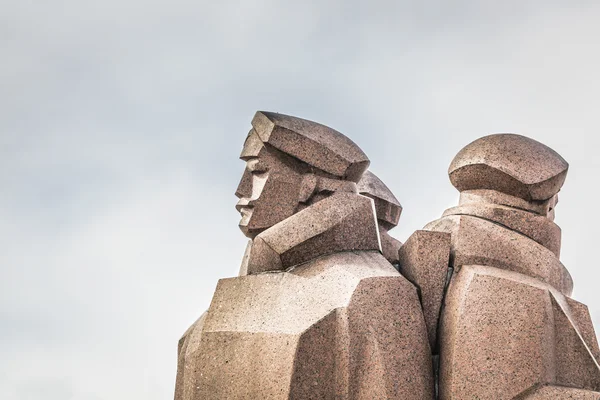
column 387, row 206
column 511, row 164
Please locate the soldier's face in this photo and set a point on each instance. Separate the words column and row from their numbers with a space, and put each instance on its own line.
column 269, row 190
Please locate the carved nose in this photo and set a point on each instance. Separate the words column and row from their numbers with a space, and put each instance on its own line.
column 243, row 203
column 244, row 189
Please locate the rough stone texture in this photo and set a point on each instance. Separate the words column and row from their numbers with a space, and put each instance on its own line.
column 387, row 209
column 581, row 316
column 508, row 328
column 389, row 246
column 492, row 350
column 424, row 261
column 292, row 163
column 536, row 227
column 518, row 333
column 550, row 392
column 313, row 143
column 318, row 312
column 245, row 259
column 187, row 353
column 543, row 207
column 478, row 241
column 270, row 190
column 327, row 329
column 511, row 164
column 387, row 206
column 575, row 363
column 343, row 221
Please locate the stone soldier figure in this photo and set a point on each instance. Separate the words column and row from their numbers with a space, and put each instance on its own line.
column 317, row 311
column 508, row 328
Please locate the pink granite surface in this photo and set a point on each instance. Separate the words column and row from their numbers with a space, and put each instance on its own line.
column 480, row 307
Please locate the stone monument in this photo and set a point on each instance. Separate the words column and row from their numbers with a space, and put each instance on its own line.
column 317, row 311
column 508, row 328
column 328, row 305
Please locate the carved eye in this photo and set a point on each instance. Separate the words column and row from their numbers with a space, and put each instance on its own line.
column 256, row 167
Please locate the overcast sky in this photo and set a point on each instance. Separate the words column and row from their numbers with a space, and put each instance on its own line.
column 121, row 122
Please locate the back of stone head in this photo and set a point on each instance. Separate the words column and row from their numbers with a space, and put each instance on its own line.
column 387, row 212
column 387, row 207
column 510, row 164
column 291, row 163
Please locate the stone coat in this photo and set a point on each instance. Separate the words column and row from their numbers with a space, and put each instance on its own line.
column 343, row 325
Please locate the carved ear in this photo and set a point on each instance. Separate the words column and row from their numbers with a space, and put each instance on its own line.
column 328, row 185
column 307, row 188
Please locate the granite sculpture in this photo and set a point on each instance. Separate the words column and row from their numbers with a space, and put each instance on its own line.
column 508, row 328
column 317, row 311
column 328, row 305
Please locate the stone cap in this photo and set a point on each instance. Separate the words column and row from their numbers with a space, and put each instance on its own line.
column 387, row 206
column 511, row 164
column 317, row 145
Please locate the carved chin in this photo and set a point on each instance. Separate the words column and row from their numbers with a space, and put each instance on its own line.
column 246, row 213
column 243, row 225
column 244, row 230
